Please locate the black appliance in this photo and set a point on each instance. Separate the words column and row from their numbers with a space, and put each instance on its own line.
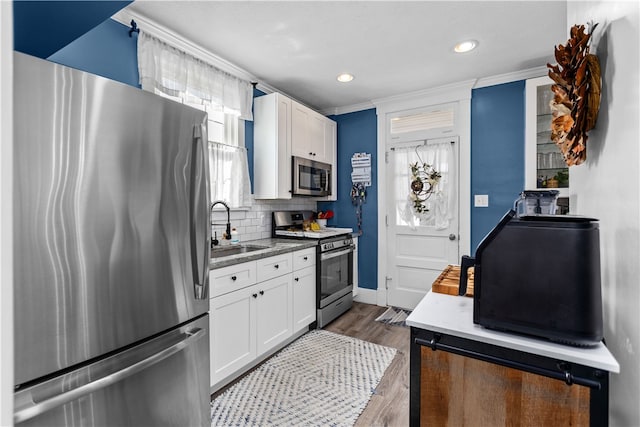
column 540, row 275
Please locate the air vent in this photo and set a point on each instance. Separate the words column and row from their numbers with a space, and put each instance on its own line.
column 428, row 120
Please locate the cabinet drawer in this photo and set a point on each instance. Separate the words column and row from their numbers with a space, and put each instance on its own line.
column 304, row 258
column 274, row 266
column 232, row 278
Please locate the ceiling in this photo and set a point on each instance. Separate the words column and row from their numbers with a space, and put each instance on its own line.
column 392, row 47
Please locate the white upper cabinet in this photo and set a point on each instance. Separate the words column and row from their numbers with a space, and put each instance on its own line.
column 284, row 128
column 308, row 133
column 272, row 147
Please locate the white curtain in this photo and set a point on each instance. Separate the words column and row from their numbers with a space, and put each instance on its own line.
column 441, row 203
column 176, row 73
column 229, row 174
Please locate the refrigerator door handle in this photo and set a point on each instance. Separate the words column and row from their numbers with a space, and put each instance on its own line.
column 36, row 409
column 199, row 163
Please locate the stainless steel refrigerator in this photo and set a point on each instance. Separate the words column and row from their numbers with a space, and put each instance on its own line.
column 111, row 253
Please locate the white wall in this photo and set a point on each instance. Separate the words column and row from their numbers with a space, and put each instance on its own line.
column 255, row 223
column 607, row 187
column 6, row 224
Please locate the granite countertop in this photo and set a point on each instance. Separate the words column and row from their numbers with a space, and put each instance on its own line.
column 453, row 315
column 271, row 247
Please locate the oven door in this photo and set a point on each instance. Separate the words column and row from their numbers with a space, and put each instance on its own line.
column 335, row 275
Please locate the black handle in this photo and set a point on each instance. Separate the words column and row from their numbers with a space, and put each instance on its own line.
column 261, row 292
column 305, row 258
column 276, row 266
column 565, row 375
column 296, row 279
column 465, row 263
column 255, row 295
column 234, row 278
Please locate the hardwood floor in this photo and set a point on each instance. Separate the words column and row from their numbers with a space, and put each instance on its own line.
column 389, row 406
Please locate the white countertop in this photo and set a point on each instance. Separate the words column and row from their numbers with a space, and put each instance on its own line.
column 453, row 315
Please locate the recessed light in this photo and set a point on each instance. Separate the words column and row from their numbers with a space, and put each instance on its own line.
column 465, row 46
column 345, row 77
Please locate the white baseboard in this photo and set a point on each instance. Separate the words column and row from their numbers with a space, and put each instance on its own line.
column 366, row 296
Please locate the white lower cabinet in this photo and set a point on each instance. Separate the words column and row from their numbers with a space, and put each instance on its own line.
column 248, row 321
column 304, row 298
column 232, row 332
column 273, row 312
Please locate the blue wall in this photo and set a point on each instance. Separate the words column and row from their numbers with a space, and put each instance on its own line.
column 40, row 28
column 107, row 51
column 357, row 132
column 497, row 153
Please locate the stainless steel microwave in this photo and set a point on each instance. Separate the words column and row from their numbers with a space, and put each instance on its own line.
column 310, row 178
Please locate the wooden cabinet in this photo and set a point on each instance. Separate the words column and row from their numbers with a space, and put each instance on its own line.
column 284, row 128
column 255, row 307
column 464, row 375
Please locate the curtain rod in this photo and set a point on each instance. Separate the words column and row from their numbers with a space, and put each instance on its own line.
column 134, row 28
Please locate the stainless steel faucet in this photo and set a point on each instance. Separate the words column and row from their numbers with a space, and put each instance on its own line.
column 228, row 230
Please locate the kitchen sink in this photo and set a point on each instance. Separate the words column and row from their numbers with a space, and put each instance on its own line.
column 224, row 251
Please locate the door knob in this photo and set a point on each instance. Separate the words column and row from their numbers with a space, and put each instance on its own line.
column 452, row 236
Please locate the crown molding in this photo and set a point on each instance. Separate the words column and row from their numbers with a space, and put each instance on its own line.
column 437, row 95
column 511, row 77
column 334, row 111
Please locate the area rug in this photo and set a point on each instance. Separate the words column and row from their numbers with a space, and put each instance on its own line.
column 321, row 379
column 394, row 316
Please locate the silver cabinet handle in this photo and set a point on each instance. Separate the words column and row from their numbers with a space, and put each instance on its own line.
column 59, row 400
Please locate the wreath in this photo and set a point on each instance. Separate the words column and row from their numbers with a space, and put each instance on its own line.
column 424, row 179
column 576, row 91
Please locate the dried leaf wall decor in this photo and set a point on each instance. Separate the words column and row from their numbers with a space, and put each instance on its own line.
column 576, row 97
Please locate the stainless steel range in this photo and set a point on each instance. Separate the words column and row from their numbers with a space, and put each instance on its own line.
column 334, row 262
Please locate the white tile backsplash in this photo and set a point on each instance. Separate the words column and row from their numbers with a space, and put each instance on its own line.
column 255, row 222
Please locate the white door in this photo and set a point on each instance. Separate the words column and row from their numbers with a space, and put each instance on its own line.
column 422, row 219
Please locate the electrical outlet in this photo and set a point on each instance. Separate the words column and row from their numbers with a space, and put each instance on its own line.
column 481, row 201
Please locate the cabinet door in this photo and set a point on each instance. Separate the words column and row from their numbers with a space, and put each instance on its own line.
column 308, row 133
column 317, row 149
column 232, row 332
column 331, row 155
column 304, row 298
column 273, row 312
column 300, row 130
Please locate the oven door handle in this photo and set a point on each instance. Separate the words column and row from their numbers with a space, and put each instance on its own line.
column 329, row 255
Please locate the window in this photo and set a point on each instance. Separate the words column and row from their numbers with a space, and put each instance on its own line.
column 227, row 100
